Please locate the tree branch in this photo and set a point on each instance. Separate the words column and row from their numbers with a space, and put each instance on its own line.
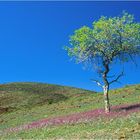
column 97, row 82
column 118, row 77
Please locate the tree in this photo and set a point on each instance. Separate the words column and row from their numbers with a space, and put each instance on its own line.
column 108, row 41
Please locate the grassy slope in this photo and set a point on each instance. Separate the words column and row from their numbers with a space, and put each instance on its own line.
column 26, row 102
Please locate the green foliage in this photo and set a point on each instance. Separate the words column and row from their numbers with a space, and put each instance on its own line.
column 109, row 39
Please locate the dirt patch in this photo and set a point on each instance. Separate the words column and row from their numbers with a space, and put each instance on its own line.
column 3, row 110
column 6, row 109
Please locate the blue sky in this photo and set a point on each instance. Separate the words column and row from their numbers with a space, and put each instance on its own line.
column 32, row 36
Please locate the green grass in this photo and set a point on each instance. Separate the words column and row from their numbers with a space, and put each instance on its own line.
column 22, row 103
column 120, row 128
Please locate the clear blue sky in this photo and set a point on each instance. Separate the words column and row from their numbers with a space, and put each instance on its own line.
column 32, row 35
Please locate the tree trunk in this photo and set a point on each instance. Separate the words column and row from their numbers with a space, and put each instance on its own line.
column 106, row 98
column 106, row 85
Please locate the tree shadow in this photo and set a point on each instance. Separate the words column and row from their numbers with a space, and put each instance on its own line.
column 130, row 107
column 126, row 108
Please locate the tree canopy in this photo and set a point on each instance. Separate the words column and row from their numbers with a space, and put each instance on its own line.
column 108, row 39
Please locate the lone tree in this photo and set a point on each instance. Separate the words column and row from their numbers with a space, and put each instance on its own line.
column 108, row 41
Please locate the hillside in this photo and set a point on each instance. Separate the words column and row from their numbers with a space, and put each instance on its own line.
column 15, row 96
column 23, row 103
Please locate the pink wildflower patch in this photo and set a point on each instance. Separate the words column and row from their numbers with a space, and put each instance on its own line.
column 121, row 110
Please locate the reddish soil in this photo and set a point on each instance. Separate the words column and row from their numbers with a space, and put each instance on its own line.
column 121, row 110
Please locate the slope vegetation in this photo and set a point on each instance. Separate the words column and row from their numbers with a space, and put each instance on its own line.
column 24, row 103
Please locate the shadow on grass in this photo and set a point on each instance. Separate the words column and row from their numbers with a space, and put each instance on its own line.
column 126, row 108
column 130, row 107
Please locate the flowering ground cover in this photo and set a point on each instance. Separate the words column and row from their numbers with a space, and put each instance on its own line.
column 116, row 111
column 35, row 110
